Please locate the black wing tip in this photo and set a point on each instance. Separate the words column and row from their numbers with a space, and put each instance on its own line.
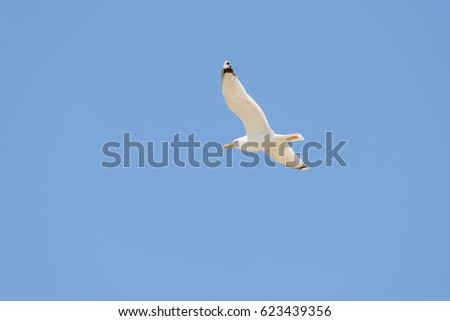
column 227, row 69
column 226, row 64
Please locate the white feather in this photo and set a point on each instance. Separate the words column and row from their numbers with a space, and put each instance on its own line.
column 240, row 103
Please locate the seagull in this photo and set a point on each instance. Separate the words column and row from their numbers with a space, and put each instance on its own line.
column 259, row 136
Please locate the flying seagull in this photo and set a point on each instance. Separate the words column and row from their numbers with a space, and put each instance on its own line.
column 256, row 125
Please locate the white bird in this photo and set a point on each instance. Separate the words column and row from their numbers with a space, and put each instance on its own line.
column 259, row 136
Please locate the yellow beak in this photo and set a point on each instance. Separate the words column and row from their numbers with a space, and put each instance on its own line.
column 227, row 146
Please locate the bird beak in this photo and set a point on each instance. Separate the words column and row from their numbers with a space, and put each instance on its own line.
column 227, row 146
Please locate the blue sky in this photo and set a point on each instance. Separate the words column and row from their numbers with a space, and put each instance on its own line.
column 75, row 75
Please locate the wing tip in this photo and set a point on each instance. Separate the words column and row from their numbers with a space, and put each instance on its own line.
column 227, row 68
column 226, row 65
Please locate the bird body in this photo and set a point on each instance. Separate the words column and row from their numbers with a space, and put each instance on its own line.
column 259, row 136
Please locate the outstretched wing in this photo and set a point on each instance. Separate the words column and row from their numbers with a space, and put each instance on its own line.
column 240, row 103
column 284, row 154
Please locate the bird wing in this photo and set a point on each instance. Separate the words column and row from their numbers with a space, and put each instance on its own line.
column 284, row 154
column 240, row 103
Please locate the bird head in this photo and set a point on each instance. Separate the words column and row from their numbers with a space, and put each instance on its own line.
column 233, row 144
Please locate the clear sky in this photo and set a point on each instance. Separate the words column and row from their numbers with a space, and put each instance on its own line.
column 75, row 75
